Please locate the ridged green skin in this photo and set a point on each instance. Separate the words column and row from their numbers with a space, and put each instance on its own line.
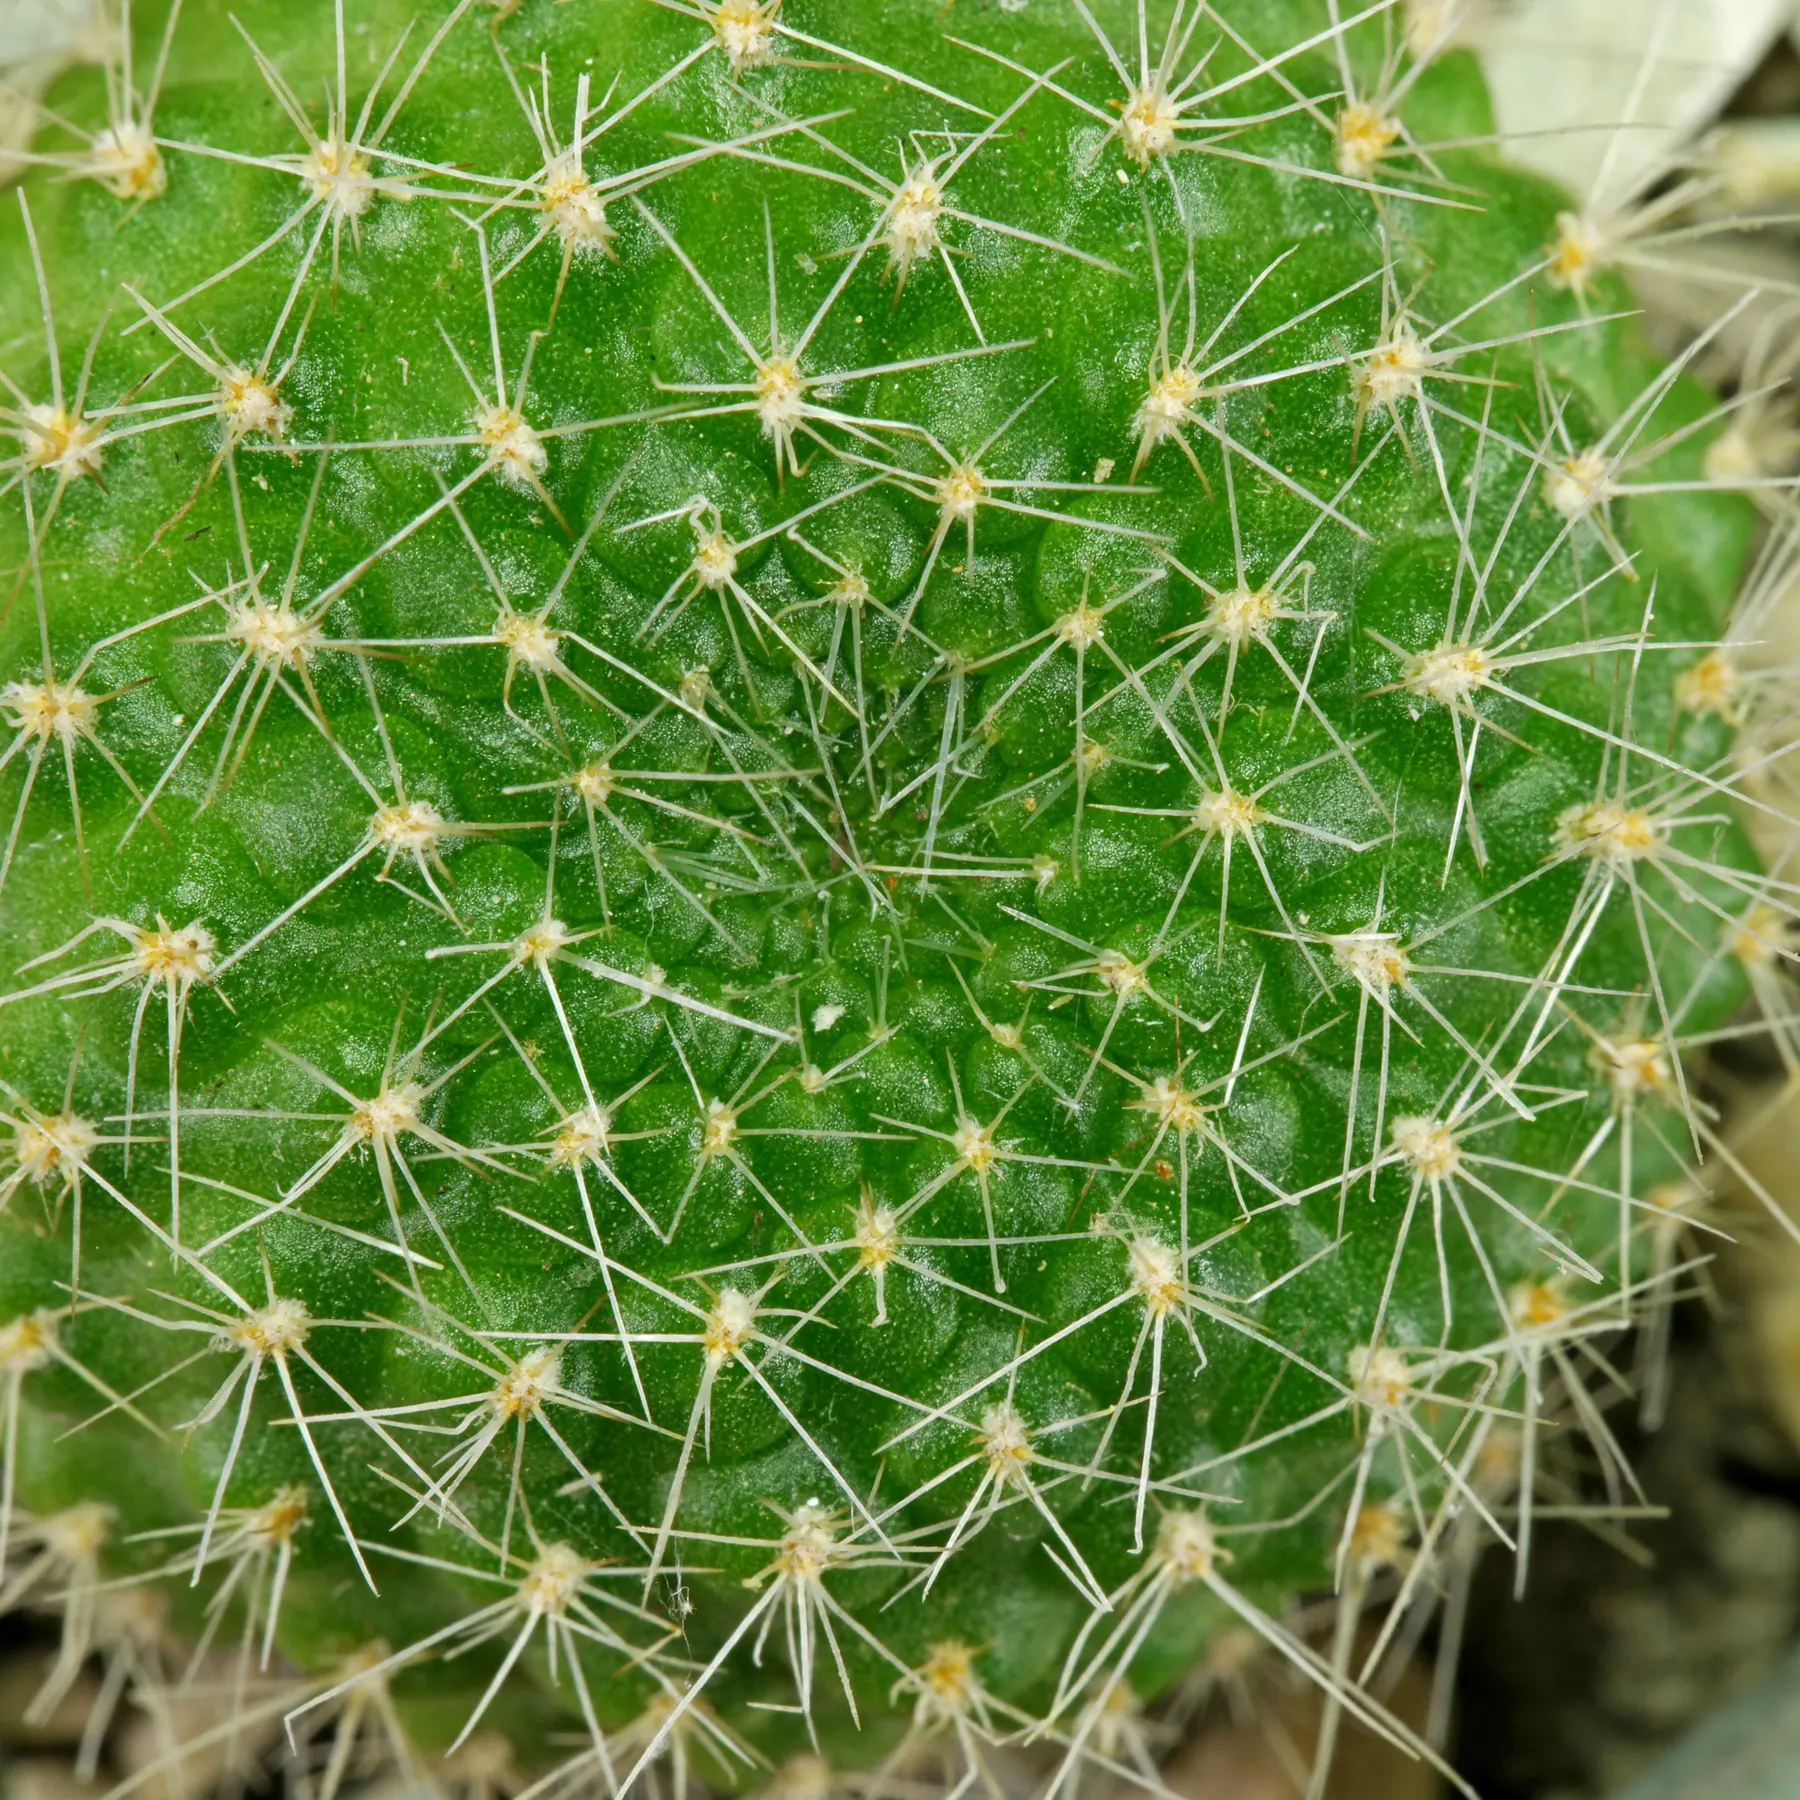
column 805, row 930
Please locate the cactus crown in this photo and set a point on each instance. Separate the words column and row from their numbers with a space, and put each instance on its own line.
column 854, row 875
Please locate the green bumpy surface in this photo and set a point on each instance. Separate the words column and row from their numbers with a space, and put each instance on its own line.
column 1003, row 922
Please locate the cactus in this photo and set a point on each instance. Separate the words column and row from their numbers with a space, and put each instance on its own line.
column 861, row 867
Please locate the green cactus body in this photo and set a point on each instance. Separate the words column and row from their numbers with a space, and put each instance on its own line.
column 886, row 870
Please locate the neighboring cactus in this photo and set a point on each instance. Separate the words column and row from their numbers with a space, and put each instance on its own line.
column 885, row 860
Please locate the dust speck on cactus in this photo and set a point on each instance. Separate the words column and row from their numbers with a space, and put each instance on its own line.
column 858, row 867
